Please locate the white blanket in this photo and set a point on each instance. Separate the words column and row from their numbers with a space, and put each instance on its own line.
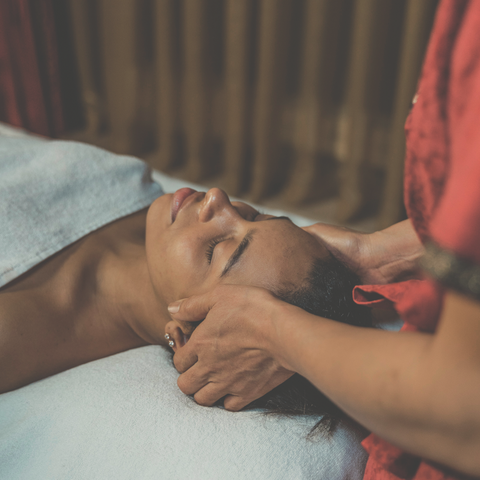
column 123, row 417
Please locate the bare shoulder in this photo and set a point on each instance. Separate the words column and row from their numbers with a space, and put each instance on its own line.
column 30, row 333
column 47, row 315
column 35, row 325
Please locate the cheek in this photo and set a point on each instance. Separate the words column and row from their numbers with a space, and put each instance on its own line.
column 180, row 256
column 180, row 267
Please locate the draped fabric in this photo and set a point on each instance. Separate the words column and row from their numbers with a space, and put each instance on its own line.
column 30, row 93
column 442, row 195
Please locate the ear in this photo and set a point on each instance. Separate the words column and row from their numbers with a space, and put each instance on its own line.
column 177, row 334
column 187, row 327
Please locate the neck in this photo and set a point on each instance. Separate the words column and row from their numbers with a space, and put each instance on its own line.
column 123, row 297
column 127, row 296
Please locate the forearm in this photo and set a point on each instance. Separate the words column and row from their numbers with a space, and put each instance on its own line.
column 394, row 251
column 392, row 384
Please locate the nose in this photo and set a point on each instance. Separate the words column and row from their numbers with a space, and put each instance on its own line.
column 215, row 202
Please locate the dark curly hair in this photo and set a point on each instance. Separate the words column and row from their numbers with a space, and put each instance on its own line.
column 327, row 292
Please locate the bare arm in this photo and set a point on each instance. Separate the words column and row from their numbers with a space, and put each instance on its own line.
column 385, row 256
column 419, row 391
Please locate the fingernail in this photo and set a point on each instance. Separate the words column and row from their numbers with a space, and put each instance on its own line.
column 174, row 307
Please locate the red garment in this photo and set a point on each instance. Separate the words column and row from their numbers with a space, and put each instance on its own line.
column 442, row 193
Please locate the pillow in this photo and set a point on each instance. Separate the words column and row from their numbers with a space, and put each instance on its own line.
column 123, row 417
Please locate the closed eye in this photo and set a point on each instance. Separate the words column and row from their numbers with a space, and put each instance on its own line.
column 213, row 243
column 211, row 247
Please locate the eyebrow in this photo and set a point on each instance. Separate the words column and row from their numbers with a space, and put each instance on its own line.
column 243, row 245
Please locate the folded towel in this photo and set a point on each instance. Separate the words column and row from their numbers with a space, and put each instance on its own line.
column 52, row 193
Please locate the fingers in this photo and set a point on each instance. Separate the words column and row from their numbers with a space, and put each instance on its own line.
column 196, row 307
column 184, row 358
column 343, row 243
column 192, row 309
column 234, row 403
column 192, row 381
column 205, row 393
column 209, row 395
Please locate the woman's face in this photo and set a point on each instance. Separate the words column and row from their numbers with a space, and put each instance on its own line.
column 197, row 240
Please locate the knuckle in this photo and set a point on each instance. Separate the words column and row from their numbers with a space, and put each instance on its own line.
column 183, row 385
column 177, row 361
column 202, row 400
column 234, row 404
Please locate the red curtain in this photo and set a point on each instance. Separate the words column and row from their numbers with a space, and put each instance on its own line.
column 30, row 78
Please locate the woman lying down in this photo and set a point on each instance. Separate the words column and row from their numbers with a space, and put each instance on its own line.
column 93, row 253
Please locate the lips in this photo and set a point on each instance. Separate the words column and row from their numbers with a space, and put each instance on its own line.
column 178, row 198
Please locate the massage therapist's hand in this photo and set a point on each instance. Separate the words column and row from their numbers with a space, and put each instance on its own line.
column 232, row 353
column 385, row 256
column 349, row 246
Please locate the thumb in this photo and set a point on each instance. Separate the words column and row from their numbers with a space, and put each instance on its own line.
column 192, row 309
column 332, row 236
column 325, row 230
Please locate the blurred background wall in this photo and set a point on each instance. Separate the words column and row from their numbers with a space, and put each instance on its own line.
column 297, row 104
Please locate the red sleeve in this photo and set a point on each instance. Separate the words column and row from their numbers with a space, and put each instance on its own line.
column 456, row 223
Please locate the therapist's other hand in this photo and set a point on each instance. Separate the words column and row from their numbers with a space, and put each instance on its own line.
column 351, row 247
column 232, row 353
column 386, row 256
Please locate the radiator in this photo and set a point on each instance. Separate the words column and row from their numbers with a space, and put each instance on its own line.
column 305, row 99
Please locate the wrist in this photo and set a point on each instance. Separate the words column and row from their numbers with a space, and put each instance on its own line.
column 289, row 324
column 393, row 253
column 275, row 333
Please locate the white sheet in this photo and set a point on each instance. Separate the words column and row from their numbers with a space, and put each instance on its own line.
column 123, row 417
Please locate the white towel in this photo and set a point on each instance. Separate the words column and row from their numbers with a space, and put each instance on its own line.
column 52, row 193
column 123, row 417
